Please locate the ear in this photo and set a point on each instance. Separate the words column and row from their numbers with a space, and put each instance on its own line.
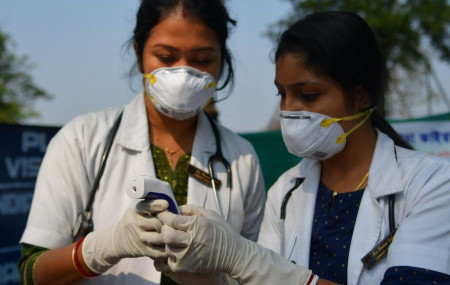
column 138, row 58
column 362, row 99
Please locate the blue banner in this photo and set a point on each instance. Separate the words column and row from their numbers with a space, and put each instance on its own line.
column 21, row 151
column 429, row 136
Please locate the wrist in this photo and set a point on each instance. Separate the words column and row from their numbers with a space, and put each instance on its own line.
column 98, row 251
column 259, row 265
column 242, row 262
column 78, row 261
column 239, row 258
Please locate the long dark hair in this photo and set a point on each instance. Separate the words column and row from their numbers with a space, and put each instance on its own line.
column 211, row 12
column 341, row 46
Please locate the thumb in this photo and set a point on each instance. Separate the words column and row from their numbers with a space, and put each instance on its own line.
column 147, row 207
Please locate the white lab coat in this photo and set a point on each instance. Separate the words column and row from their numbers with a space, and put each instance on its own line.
column 421, row 183
column 73, row 158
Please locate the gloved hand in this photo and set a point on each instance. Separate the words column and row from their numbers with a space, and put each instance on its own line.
column 136, row 234
column 199, row 240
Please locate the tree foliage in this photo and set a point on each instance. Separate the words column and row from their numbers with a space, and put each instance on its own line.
column 402, row 28
column 18, row 92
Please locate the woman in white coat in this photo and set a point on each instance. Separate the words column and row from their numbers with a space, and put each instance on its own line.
column 181, row 51
column 360, row 208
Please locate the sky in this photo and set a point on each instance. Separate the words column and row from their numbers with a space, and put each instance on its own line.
column 80, row 55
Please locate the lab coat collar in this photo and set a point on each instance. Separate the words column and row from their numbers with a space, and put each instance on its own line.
column 133, row 132
column 204, row 140
column 384, row 175
column 133, row 135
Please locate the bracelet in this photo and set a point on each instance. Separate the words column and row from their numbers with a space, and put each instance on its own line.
column 76, row 262
column 33, row 277
column 313, row 279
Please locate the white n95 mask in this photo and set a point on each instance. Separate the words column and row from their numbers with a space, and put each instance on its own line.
column 315, row 135
column 179, row 92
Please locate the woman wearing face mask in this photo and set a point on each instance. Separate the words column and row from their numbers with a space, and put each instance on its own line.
column 360, row 208
column 182, row 54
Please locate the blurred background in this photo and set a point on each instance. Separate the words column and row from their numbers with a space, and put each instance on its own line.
column 76, row 52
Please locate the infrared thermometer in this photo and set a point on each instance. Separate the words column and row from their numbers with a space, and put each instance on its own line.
column 151, row 188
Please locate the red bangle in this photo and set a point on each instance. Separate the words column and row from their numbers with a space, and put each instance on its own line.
column 312, row 279
column 76, row 262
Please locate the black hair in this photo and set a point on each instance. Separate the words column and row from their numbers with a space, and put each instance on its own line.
column 341, row 46
column 211, row 12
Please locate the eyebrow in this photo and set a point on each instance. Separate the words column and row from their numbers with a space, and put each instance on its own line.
column 301, row 83
column 200, row 49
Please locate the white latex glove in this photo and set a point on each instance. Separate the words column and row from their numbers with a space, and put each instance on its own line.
column 136, row 234
column 199, row 240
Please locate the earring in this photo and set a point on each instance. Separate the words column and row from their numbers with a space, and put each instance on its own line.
column 366, row 106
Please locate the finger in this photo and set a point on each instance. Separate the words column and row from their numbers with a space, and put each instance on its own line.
column 152, row 239
column 175, row 238
column 148, row 207
column 154, row 248
column 175, row 221
column 156, row 253
column 191, row 210
column 150, row 224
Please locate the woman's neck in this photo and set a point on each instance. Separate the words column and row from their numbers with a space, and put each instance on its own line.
column 344, row 171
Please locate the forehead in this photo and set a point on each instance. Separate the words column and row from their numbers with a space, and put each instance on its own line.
column 182, row 32
column 290, row 68
column 291, row 71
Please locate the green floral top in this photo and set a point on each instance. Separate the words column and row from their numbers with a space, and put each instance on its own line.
column 178, row 180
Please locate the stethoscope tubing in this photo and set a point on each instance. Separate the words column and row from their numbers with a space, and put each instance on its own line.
column 286, row 198
column 218, row 157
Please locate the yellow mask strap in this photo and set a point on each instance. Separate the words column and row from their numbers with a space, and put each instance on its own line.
column 325, row 123
column 211, row 85
column 152, row 99
column 151, row 77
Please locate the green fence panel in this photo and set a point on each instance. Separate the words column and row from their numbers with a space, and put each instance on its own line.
column 273, row 155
